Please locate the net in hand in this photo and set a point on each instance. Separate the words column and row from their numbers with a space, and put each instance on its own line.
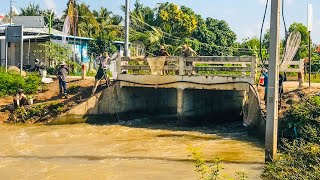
column 292, row 46
column 156, row 64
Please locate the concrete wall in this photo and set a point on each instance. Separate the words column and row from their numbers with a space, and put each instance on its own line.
column 252, row 116
column 134, row 102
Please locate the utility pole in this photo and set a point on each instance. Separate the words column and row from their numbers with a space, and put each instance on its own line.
column 310, row 23
column 273, row 86
column 10, row 12
column 126, row 39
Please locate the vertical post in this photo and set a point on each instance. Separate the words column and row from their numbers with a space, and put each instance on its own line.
column 180, row 102
column 309, row 59
column 127, row 19
column 50, row 23
column 181, row 66
column 310, row 25
column 10, row 12
column 6, row 51
column 21, row 51
column 253, row 68
column 118, row 64
column 272, row 95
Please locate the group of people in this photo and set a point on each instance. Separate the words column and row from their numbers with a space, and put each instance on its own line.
column 104, row 62
column 186, row 51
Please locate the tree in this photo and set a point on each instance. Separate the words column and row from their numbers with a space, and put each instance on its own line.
column 31, row 10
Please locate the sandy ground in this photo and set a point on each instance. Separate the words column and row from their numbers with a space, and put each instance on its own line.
column 81, row 91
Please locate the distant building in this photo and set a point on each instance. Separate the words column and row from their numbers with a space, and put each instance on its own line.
column 36, row 33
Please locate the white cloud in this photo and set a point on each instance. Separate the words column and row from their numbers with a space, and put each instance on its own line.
column 51, row 4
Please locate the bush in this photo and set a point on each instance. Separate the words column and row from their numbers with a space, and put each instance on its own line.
column 302, row 121
column 300, row 160
column 10, row 83
column 37, row 112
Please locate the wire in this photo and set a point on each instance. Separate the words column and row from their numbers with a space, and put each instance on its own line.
column 264, row 18
column 284, row 21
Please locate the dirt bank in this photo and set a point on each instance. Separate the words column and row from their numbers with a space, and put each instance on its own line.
column 79, row 90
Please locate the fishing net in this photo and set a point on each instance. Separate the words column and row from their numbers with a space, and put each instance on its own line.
column 156, row 64
column 292, row 46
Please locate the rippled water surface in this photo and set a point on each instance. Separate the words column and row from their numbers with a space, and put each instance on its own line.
column 84, row 151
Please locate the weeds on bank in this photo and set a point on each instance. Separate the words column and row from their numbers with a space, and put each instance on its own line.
column 211, row 171
column 299, row 156
column 37, row 113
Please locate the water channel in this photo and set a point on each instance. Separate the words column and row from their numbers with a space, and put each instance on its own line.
column 127, row 150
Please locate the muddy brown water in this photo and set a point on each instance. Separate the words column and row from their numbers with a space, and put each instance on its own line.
column 123, row 151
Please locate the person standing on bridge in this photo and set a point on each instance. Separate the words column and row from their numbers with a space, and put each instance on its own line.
column 187, row 52
column 163, row 51
column 103, row 70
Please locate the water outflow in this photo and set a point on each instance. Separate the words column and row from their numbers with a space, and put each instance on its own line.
column 121, row 151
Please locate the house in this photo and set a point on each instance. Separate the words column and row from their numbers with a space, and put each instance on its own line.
column 35, row 33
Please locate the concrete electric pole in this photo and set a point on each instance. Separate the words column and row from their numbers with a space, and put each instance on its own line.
column 127, row 19
column 273, row 80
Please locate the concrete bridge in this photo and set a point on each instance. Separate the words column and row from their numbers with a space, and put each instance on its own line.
column 193, row 88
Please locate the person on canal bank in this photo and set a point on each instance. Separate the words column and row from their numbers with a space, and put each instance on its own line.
column 62, row 73
column 104, row 67
column 20, row 99
column 264, row 72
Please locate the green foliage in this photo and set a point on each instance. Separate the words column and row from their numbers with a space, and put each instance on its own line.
column 210, row 171
column 101, row 44
column 205, row 171
column 38, row 111
column 300, row 154
column 10, row 83
column 303, row 121
column 55, row 52
column 300, row 160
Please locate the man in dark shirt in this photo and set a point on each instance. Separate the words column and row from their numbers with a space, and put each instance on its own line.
column 163, row 51
column 62, row 76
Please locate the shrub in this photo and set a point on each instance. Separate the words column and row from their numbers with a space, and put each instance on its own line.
column 300, row 153
column 10, row 83
column 302, row 121
column 300, row 160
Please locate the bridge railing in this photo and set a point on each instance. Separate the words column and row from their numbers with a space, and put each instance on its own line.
column 238, row 66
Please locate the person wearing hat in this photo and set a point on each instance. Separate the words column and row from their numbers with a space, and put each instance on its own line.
column 104, row 62
column 62, row 73
column 163, row 51
column 20, row 99
column 187, row 52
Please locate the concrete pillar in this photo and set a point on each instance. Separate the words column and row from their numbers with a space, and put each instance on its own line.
column 181, row 66
column 180, row 103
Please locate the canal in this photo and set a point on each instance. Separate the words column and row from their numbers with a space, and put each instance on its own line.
column 135, row 149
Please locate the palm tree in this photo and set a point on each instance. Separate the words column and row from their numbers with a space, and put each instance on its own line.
column 31, row 10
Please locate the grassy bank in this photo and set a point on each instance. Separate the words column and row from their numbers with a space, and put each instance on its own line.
column 299, row 131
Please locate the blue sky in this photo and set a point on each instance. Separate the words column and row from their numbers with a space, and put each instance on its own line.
column 243, row 16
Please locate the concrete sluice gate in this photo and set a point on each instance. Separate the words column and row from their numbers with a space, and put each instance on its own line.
column 189, row 106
